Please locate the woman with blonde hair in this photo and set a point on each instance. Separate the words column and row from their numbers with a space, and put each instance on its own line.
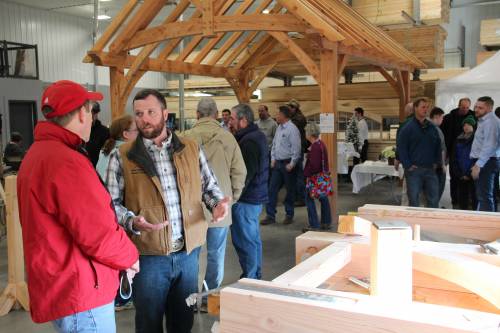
column 121, row 130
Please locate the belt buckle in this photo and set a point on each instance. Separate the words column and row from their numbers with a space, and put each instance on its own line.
column 177, row 245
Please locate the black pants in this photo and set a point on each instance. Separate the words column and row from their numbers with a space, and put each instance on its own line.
column 453, row 186
column 466, row 194
column 364, row 151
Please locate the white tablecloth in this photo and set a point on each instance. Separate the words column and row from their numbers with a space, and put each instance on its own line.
column 370, row 171
column 345, row 151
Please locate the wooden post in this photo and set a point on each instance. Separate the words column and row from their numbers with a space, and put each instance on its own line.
column 329, row 91
column 391, row 261
column 117, row 81
column 404, row 93
column 16, row 292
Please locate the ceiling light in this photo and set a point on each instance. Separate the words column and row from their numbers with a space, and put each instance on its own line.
column 103, row 17
column 266, row 11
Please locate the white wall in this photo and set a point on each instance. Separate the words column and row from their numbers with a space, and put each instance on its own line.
column 62, row 40
column 470, row 17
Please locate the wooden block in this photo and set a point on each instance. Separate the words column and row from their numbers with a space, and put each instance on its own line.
column 258, row 306
column 213, row 304
column 391, row 262
column 354, row 225
column 490, row 32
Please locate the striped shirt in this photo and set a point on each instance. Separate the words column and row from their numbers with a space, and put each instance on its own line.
column 163, row 160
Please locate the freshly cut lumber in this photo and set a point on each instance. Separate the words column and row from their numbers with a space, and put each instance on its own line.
column 490, row 32
column 483, row 56
column 265, row 307
column 391, row 262
column 389, row 12
column 315, row 270
column 482, row 226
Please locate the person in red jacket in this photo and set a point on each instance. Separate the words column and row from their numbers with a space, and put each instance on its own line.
column 73, row 246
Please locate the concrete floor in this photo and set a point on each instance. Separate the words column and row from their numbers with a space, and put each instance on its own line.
column 278, row 256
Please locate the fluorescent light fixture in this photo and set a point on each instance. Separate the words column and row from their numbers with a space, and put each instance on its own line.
column 266, row 11
column 103, row 17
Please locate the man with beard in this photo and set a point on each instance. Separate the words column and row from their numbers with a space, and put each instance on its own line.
column 157, row 183
column 452, row 128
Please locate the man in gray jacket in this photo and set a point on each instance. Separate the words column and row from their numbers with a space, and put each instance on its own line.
column 224, row 156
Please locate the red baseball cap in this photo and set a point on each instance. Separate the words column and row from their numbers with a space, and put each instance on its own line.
column 65, row 96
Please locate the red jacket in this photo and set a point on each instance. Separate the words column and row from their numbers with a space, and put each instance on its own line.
column 317, row 159
column 73, row 246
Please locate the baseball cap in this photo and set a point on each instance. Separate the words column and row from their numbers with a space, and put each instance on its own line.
column 65, row 96
column 293, row 103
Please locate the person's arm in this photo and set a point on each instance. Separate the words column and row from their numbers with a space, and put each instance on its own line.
column 251, row 156
column 84, row 208
column 295, row 140
column 116, row 185
column 490, row 144
column 274, row 145
column 274, row 127
column 238, row 172
column 211, row 193
column 404, row 146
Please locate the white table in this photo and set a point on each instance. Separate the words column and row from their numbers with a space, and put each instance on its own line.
column 365, row 174
column 345, row 151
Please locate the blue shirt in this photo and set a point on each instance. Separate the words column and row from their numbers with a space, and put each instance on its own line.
column 287, row 143
column 419, row 145
column 487, row 139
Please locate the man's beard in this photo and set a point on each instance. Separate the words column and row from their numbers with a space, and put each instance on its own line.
column 157, row 129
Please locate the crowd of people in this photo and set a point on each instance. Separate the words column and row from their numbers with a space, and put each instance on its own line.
column 465, row 142
column 135, row 202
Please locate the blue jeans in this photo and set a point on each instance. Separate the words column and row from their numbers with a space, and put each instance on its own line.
column 442, row 182
column 326, row 216
column 96, row 320
column 424, row 179
column 162, row 285
column 245, row 234
column 485, row 186
column 280, row 176
column 216, row 250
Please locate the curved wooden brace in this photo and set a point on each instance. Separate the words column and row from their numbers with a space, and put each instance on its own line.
column 251, row 22
column 474, row 275
column 301, row 55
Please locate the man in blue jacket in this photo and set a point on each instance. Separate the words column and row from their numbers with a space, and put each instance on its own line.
column 245, row 231
column 419, row 150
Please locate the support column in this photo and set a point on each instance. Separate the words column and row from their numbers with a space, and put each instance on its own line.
column 118, row 101
column 404, row 93
column 329, row 93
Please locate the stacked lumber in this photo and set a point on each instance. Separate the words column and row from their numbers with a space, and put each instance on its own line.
column 482, row 56
column 425, row 42
column 384, row 13
column 490, row 32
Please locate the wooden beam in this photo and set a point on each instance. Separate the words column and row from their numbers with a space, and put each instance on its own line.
column 144, row 15
column 226, row 23
column 328, row 81
column 374, row 58
column 317, row 269
column 259, row 78
column 343, row 58
column 155, row 65
column 464, row 224
column 208, row 18
column 301, row 55
column 113, row 28
column 391, row 262
column 260, row 306
column 354, row 225
column 259, row 47
column 389, row 78
column 118, row 102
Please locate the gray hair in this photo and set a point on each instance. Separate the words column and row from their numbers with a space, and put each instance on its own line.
column 207, row 107
column 244, row 111
column 312, row 130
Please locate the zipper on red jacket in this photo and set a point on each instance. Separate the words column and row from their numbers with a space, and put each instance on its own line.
column 96, row 285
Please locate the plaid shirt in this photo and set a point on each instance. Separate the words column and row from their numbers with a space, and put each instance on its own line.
column 163, row 161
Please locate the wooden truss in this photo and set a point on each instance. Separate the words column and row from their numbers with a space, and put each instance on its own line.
column 413, row 286
column 235, row 40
